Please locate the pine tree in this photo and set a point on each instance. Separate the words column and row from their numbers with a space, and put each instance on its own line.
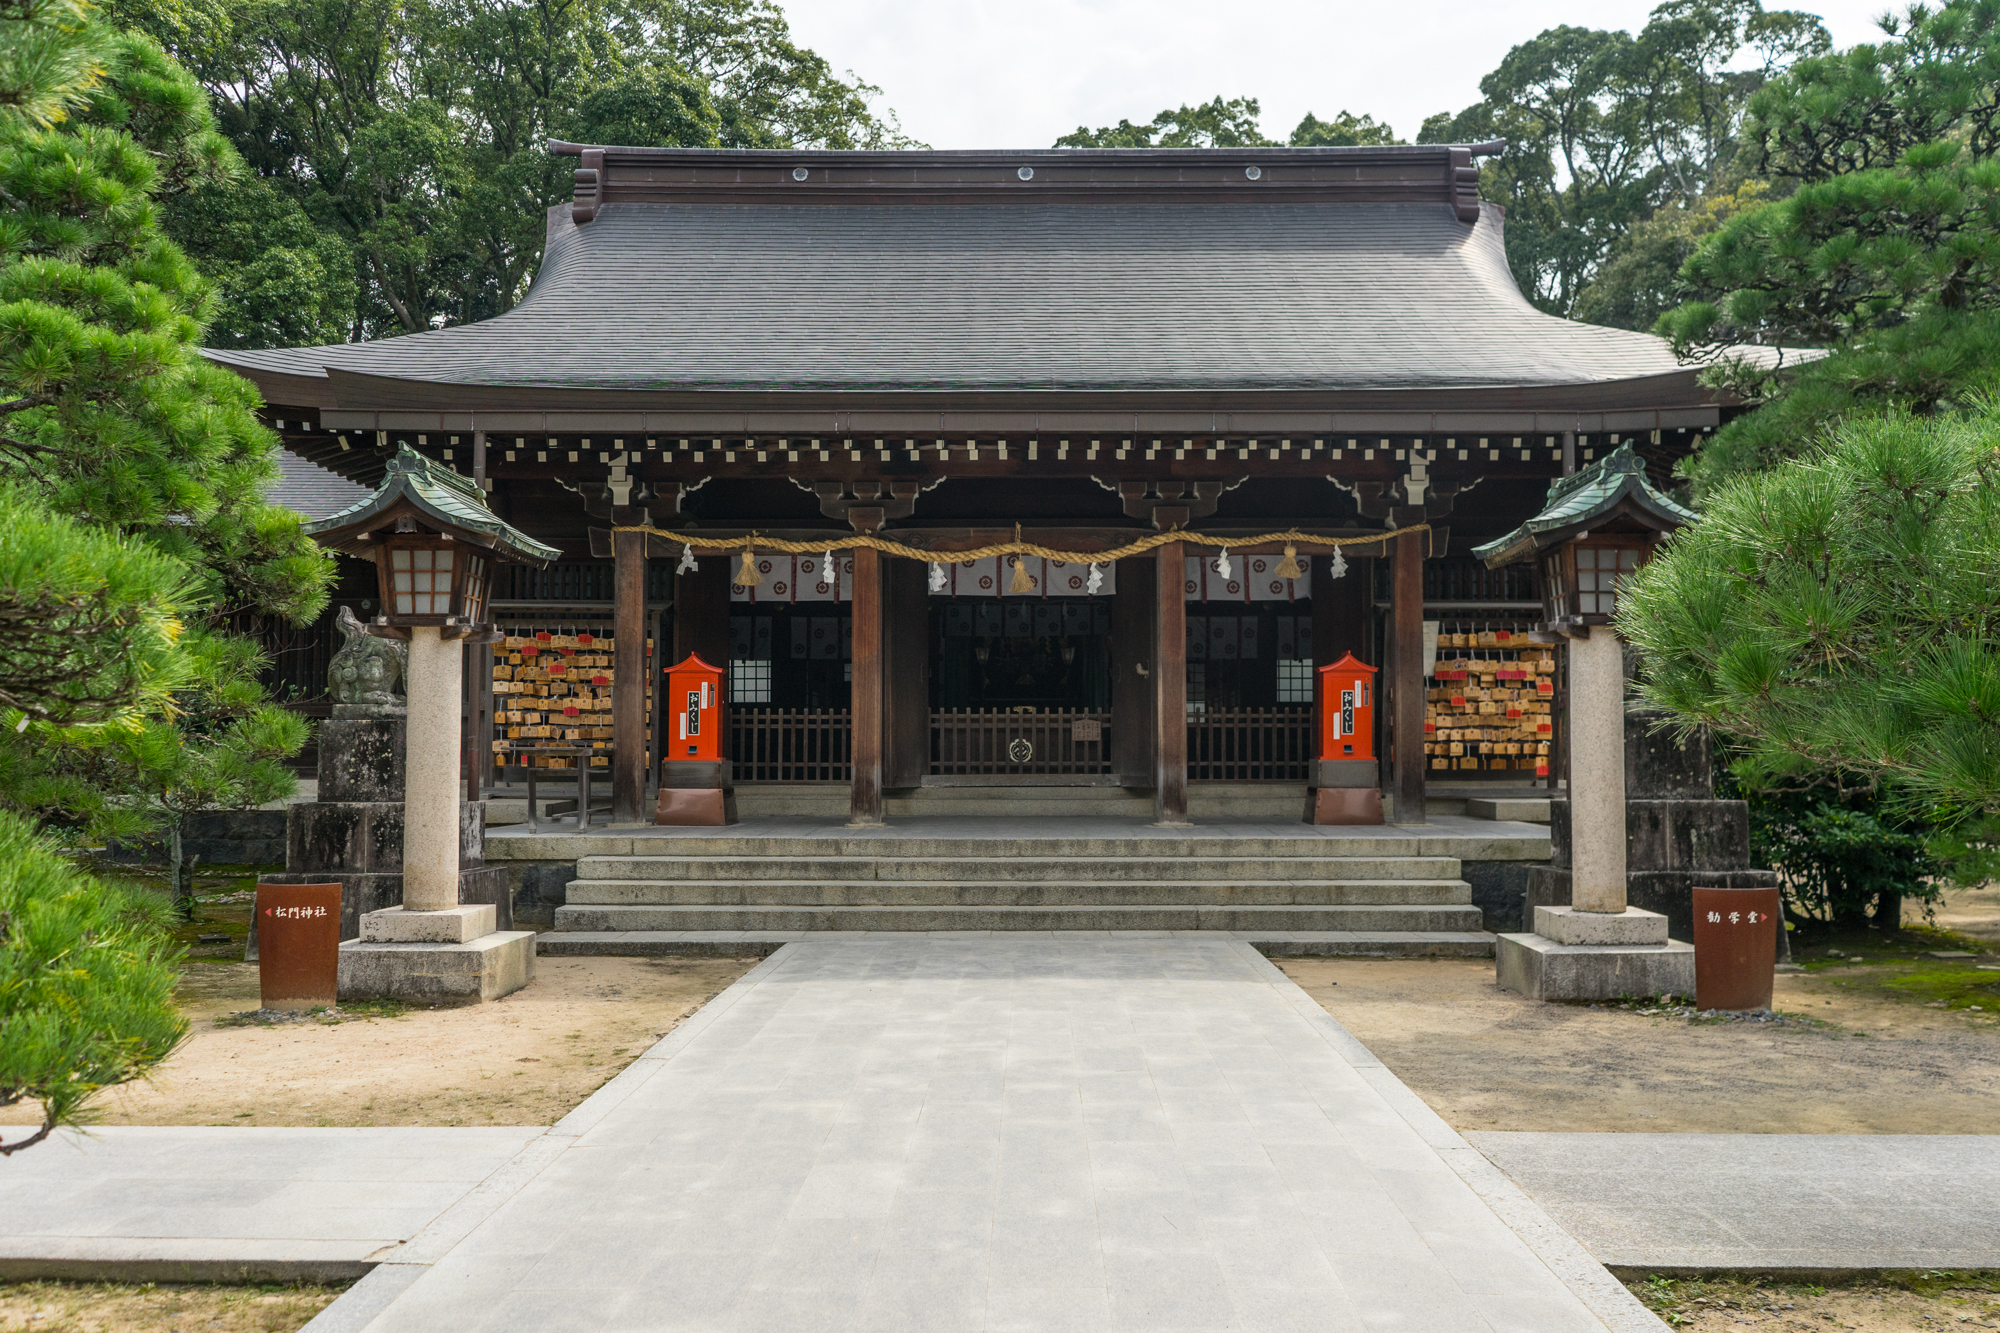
column 1884, row 249
column 110, row 418
column 1836, row 615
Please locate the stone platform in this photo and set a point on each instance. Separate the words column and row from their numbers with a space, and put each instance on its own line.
column 1287, row 887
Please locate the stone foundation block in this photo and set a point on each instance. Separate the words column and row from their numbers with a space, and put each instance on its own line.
column 344, row 837
column 1567, row 925
column 454, row 925
column 1668, row 892
column 1522, row 810
column 361, row 759
column 483, row 969
column 709, row 807
column 1541, row 969
column 1347, row 805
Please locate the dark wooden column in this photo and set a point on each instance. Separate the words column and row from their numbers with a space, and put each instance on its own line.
column 1134, row 641
column 1170, row 687
column 864, row 807
column 1406, row 667
column 906, row 672
column 1343, row 619
column 628, row 679
column 701, row 612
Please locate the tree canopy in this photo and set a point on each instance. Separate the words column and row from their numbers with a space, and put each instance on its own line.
column 1229, row 123
column 399, row 174
column 1604, row 128
column 132, row 517
column 1885, row 247
column 1622, row 151
column 1837, row 614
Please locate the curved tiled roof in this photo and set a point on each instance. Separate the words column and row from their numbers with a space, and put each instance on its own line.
column 1118, row 296
column 310, row 490
column 1615, row 484
column 437, row 494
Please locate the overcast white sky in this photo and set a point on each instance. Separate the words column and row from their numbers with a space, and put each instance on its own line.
column 1018, row 73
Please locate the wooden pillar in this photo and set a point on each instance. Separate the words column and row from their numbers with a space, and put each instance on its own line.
column 1406, row 665
column 864, row 808
column 628, row 679
column 1133, row 643
column 1170, row 687
column 906, row 673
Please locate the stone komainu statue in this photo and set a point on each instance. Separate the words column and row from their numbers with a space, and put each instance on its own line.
column 364, row 674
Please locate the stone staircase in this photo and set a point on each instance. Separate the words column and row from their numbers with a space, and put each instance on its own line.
column 1292, row 896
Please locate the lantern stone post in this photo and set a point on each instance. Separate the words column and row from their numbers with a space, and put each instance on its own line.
column 435, row 680
column 1598, row 528
column 434, row 544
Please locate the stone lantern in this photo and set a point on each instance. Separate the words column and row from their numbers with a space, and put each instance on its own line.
column 1600, row 526
column 434, row 544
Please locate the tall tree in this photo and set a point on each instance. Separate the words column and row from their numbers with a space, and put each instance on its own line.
column 1221, row 123
column 113, row 420
column 89, row 615
column 1837, row 615
column 1229, row 123
column 1345, row 130
column 411, row 133
column 1886, row 250
column 1604, row 128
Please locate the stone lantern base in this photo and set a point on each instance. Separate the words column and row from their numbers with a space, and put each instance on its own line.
column 455, row 954
column 1575, row 955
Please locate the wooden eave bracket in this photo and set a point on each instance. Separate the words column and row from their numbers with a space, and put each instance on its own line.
column 1189, row 500
column 867, row 505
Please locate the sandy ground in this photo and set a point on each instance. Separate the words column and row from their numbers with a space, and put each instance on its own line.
column 110, row 1307
column 1698, row 1307
column 1485, row 1058
column 522, row 1060
column 1974, row 912
column 1935, row 1303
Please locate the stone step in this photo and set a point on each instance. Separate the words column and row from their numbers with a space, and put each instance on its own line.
column 1016, row 869
column 1276, row 943
column 517, row 844
column 1093, row 917
column 1055, row 891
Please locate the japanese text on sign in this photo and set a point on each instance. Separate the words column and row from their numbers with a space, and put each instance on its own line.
column 1738, row 918
column 295, row 913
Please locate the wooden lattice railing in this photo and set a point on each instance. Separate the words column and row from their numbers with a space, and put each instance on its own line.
column 790, row 744
column 1250, row 745
column 991, row 742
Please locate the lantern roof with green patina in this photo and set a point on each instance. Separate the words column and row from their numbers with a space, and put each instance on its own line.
column 1612, row 491
column 434, row 499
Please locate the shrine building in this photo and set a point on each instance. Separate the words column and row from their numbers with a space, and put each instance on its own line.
column 961, row 349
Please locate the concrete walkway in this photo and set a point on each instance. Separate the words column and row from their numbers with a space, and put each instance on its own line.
column 224, row 1204
column 1661, row 1203
column 1007, row 1132
column 1000, row 1132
